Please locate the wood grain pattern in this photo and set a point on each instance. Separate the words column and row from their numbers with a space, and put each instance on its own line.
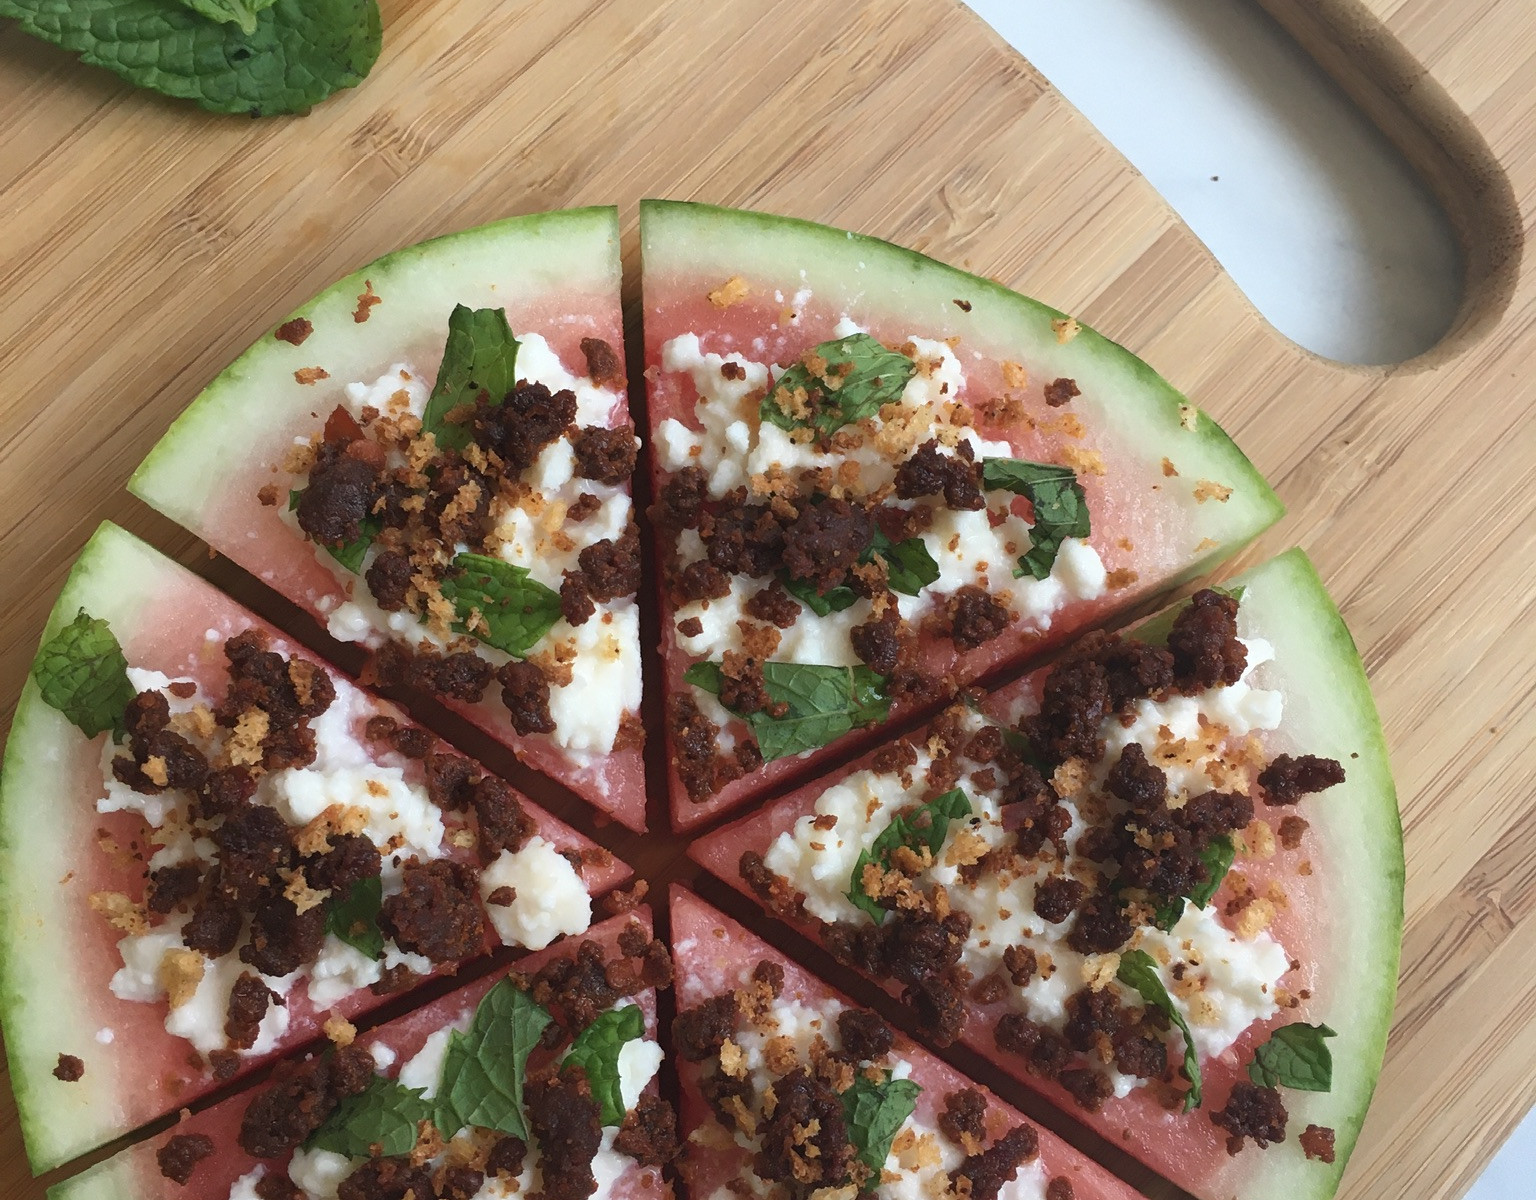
column 147, row 243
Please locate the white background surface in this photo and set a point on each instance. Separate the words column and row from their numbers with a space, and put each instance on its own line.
column 1307, row 207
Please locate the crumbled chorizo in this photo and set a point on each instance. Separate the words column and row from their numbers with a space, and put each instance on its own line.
column 179, row 1157
column 605, row 455
column 1204, row 643
column 929, row 472
column 865, row 1037
column 436, row 913
column 826, row 541
column 338, row 498
column 1251, row 1112
column 1287, row 779
column 525, row 692
column 649, row 1132
column 976, row 617
column 69, row 1069
column 604, row 366
column 565, row 1123
column 1317, row 1142
column 989, row 1170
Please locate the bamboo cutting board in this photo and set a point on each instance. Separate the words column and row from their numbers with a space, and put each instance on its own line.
column 146, row 243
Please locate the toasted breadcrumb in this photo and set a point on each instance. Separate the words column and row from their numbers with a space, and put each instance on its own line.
column 733, row 291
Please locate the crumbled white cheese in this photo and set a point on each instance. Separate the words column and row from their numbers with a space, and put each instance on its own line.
column 550, row 898
column 400, row 815
column 605, row 680
column 106, row 1035
column 424, row 1068
column 319, row 1172
column 244, row 1188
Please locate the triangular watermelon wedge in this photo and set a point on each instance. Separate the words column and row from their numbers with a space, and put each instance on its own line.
column 1303, row 931
column 73, row 879
column 356, row 365
column 715, row 957
column 407, row 1051
column 904, row 375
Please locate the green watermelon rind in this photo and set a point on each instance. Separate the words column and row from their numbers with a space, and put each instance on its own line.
column 1330, row 712
column 116, row 578
column 687, row 241
column 112, row 1179
column 568, row 251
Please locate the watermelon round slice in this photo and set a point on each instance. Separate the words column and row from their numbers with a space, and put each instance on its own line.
column 135, row 1173
column 556, row 276
column 1328, row 892
column 715, row 956
column 727, row 294
column 60, row 857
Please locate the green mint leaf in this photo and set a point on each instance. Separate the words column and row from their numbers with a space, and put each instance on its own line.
column 234, row 12
column 1060, row 507
column 861, row 377
column 875, row 1113
column 354, row 918
column 384, row 1115
column 1138, row 970
column 908, row 565
column 1217, row 857
column 484, row 1070
column 823, row 703
column 926, row 825
column 81, row 672
column 297, row 54
column 1296, row 1056
column 1155, row 630
column 821, row 603
column 596, row 1051
column 481, row 356
column 515, row 609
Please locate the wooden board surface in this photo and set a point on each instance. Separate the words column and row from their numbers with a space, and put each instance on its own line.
column 146, row 243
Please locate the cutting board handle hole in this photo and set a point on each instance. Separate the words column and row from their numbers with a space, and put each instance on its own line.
column 1325, row 200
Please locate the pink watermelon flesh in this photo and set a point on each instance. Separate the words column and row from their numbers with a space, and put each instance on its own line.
column 1139, row 530
column 137, row 1168
column 713, row 954
column 1186, row 1148
column 156, row 1070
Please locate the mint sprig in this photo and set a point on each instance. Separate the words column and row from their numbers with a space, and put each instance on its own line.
column 875, row 1113
column 484, row 1070
column 927, row 825
column 1138, row 970
column 1295, row 1056
column 516, row 609
column 480, row 356
column 909, row 567
column 255, row 61
column 384, row 1115
column 1059, row 503
column 354, row 918
column 596, row 1051
column 81, row 672
column 1218, row 857
column 860, row 378
column 822, row 703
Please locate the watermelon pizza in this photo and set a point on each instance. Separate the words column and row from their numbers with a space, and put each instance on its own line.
column 788, row 1089
column 541, row 1079
column 878, row 478
column 432, row 457
column 213, row 844
column 1160, row 881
